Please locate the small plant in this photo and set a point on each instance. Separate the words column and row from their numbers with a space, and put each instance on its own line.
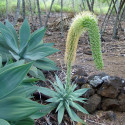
column 16, row 108
column 65, row 96
column 28, row 47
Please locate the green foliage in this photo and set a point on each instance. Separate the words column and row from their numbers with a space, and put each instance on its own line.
column 29, row 47
column 15, row 92
column 65, row 98
column 83, row 22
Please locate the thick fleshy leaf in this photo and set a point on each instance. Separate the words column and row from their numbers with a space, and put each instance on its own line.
column 76, row 118
column 17, row 108
column 73, row 115
column 78, row 107
column 80, row 92
column 23, row 91
column 59, row 106
column 3, row 26
column 12, row 30
column 79, row 99
column 41, row 75
column 4, row 47
column 47, row 91
column 15, row 56
column 0, row 61
column 45, row 110
column 24, row 34
column 36, row 73
column 10, row 66
column 11, row 78
column 55, row 87
column 59, row 83
column 48, row 44
column 54, row 99
column 29, row 80
column 40, row 52
column 3, row 122
column 36, row 38
column 10, row 40
column 60, row 114
column 27, row 121
column 45, row 64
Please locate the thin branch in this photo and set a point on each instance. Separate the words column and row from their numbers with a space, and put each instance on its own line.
column 49, row 13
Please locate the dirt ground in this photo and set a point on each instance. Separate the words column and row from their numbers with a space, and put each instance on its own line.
column 114, row 65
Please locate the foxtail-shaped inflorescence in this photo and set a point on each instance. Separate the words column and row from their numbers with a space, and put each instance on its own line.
column 83, row 22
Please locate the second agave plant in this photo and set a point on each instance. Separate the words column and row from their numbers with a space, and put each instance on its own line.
column 29, row 47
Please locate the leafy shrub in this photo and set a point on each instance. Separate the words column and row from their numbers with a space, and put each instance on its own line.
column 15, row 105
column 29, row 47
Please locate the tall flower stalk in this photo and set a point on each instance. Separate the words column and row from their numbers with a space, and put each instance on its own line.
column 83, row 22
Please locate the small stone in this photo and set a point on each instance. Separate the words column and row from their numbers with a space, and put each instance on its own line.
column 110, row 104
column 92, row 103
column 90, row 92
column 108, row 91
column 109, row 115
column 96, row 80
column 80, row 77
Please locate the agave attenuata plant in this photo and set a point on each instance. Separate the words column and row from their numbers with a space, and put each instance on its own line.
column 27, row 46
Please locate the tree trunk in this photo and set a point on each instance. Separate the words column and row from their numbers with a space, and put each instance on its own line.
column 83, row 4
column 62, row 34
column 49, row 13
column 6, row 9
column 88, row 5
column 23, row 8
column 45, row 6
column 73, row 5
column 92, row 6
column 115, row 28
column 17, row 12
column 31, row 11
column 39, row 13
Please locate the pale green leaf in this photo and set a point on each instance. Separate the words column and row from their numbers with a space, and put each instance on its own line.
column 78, row 107
column 3, row 122
column 17, row 108
column 10, row 40
column 27, row 121
column 36, row 38
column 10, row 66
column 11, row 78
column 80, row 92
column 46, row 64
column 47, row 91
column 60, row 114
column 24, row 34
column 12, row 30
column 59, row 83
